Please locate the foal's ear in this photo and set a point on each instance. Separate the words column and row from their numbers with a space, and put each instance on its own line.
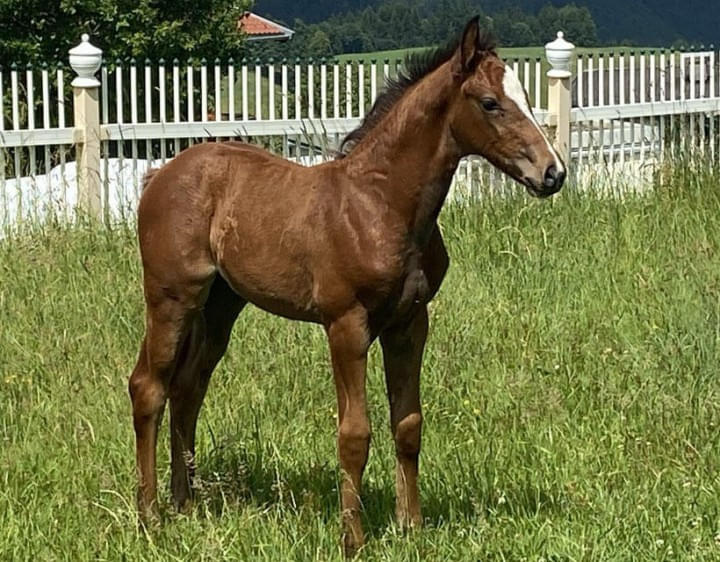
column 467, row 55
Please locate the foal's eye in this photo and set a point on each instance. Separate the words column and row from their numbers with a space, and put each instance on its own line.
column 489, row 104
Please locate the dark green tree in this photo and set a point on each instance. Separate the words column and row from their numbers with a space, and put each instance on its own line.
column 318, row 44
column 43, row 31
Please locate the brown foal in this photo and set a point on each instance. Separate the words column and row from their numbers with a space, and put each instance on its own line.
column 352, row 244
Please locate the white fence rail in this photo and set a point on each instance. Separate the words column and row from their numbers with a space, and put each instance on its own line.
column 622, row 108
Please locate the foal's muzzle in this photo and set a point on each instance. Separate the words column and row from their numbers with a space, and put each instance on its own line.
column 552, row 181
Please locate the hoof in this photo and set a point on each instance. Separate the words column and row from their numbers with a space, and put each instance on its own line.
column 184, row 507
column 351, row 546
column 408, row 522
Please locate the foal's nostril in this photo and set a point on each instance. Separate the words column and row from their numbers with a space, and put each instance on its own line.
column 554, row 178
column 551, row 176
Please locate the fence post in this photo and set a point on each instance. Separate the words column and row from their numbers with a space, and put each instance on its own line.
column 558, row 53
column 85, row 60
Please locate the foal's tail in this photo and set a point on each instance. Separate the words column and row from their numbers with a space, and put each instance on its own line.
column 149, row 175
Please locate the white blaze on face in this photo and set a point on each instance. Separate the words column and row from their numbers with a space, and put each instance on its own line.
column 515, row 91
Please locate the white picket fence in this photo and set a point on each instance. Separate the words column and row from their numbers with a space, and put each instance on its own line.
column 628, row 109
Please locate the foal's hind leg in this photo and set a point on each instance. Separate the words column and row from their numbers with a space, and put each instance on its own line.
column 170, row 311
column 402, row 353
column 205, row 346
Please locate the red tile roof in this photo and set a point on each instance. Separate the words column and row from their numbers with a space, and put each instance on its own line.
column 258, row 26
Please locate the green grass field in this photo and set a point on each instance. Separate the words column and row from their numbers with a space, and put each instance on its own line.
column 570, row 390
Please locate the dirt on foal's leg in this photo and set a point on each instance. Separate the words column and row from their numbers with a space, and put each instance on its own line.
column 349, row 342
column 402, row 354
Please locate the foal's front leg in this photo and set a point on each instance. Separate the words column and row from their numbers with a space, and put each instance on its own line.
column 403, row 347
column 349, row 342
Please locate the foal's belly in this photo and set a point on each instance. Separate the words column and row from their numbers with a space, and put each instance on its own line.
column 279, row 290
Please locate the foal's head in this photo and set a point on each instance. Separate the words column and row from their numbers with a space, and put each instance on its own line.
column 491, row 116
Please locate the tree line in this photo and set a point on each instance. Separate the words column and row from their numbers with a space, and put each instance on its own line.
column 37, row 32
column 396, row 24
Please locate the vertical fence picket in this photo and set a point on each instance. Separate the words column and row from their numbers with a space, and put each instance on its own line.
column 46, row 115
column 203, row 92
column 258, row 91
column 601, row 80
column 148, row 109
column 120, row 121
column 701, row 94
column 284, row 91
column 218, row 90
column 693, row 136
column 323, row 89
column 348, row 91
column 16, row 151
column 119, row 97
column 662, row 96
column 653, row 77
column 134, row 121
column 14, row 92
column 231, row 88
column 579, row 82
column 631, row 66
column 673, row 97
column 311, row 90
column 611, row 79
column 298, row 93
column 580, row 103
column 538, row 83
column 60, row 77
column 271, row 91
column 643, row 74
column 162, row 113
column 244, row 89
column 621, row 78
column 590, row 82
column 643, row 99
column 361, row 89
column 373, row 81
column 190, row 93
column 30, row 98
column 652, row 87
column 336, row 90
column 176, row 100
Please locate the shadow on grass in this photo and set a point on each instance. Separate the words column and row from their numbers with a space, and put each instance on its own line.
column 232, row 479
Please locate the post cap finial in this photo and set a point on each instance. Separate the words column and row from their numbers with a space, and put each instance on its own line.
column 85, row 60
column 558, row 53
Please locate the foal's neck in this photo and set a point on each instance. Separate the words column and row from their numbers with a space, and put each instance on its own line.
column 410, row 156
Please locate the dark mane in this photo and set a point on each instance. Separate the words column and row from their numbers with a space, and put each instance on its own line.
column 414, row 68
